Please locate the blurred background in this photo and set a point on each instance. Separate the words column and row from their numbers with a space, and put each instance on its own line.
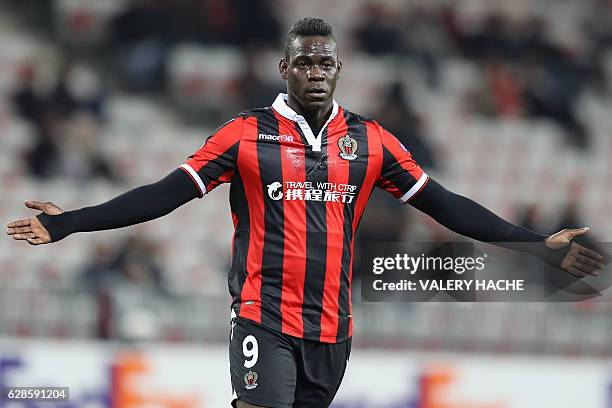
column 507, row 102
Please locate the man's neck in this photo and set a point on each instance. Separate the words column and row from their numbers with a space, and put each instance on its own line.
column 315, row 118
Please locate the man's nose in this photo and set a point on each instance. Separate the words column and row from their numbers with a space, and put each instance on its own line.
column 315, row 73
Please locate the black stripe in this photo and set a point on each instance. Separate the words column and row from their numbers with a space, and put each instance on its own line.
column 357, row 172
column 238, row 270
column 395, row 173
column 316, row 242
column 270, row 169
column 214, row 169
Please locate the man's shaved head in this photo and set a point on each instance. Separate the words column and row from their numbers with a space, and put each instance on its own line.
column 308, row 27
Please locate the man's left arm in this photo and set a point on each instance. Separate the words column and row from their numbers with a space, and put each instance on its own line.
column 405, row 179
column 470, row 219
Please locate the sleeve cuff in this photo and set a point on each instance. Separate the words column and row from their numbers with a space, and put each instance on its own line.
column 195, row 177
column 415, row 189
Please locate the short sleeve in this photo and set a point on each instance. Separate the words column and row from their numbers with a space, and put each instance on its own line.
column 400, row 174
column 215, row 161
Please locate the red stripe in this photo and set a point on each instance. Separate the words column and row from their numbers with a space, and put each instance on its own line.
column 248, row 163
column 294, row 260
column 350, row 333
column 235, row 222
column 388, row 185
column 339, row 174
column 217, row 144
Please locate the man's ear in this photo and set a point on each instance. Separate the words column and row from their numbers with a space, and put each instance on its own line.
column 283, row 67
column 339, row 70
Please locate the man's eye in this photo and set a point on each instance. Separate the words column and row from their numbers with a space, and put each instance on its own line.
column 328, row 65
column 301, row 64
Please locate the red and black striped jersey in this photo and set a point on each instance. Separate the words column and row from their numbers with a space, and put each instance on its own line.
column 296, row 202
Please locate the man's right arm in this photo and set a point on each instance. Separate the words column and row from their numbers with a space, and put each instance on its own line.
column 211, row 165
column 141, row 204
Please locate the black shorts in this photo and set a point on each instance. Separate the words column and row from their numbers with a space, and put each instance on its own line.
column 274, row 370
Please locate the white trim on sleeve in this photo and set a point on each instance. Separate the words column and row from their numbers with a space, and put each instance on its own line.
column 195, row 176
column 415, row 189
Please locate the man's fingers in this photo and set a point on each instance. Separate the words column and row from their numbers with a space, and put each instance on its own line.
column 19, row 230
column 590, row 253
column 18, row 223
column 23, row 236
column 35, row 241
column 577, row 232
column 591, row 270
column 576, row 272
column 47, row 208
column 590, row 261
column 36, row 205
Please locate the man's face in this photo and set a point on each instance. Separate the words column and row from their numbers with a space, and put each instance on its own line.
column 311, row 72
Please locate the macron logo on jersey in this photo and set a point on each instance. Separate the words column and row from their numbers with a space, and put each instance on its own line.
column 275, row 138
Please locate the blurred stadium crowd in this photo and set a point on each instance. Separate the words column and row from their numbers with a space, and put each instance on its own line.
column 506, row 102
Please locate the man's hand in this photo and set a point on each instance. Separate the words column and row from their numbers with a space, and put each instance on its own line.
column 579, row 261
column 31, row 229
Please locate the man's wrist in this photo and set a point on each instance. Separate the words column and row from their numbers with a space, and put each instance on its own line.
column 55, row 225
column 553, row 257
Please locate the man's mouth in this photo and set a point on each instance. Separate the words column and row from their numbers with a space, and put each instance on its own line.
column 317, row 92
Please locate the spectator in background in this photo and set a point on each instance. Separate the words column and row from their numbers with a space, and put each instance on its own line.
column 254, row 90
column 526, row 74
column 399, row 118
column 570, row 215
column 65, row 124
column 146, row 30
column 42, row 157
column 597, row 28
column 135, row 260
column 528, row 217
column 139, row 34
column 551, row 90
column 484, row 41
column 81, row 156
column 28, row 103
column 95, row 274
column 78, row 89
column 379, row 32
column 258, row 25
column 124, row 281
column 426, row 40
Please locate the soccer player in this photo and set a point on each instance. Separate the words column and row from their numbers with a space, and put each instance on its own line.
column 301, row 173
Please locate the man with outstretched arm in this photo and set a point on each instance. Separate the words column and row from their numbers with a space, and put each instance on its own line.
column 301, row 173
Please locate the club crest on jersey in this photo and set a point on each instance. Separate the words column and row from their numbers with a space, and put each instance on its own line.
column 348, row 147
column 250, row 379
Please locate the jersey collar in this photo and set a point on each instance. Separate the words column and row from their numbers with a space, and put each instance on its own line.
column 280, row 106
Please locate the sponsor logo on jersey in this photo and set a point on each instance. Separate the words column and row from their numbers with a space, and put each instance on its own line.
column 250, row 379
column 348, row 147
column 275, row 138
column 275, row 191
column 312, row 191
